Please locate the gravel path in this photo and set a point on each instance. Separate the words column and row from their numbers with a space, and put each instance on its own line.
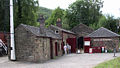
column 66, row 61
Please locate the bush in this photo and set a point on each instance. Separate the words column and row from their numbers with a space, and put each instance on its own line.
column 110, row 51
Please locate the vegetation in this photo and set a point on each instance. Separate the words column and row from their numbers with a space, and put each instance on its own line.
column 45, row 12
column 82, row 11
column 57, row 13
column 25, row 12
column 115, row 63
column 4, row 15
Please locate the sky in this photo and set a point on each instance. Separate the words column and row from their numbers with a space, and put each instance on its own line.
column 111, row 7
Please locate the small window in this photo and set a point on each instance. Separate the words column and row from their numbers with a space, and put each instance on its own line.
column 56, row 32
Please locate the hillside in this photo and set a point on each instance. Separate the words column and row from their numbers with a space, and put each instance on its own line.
column 44, row 11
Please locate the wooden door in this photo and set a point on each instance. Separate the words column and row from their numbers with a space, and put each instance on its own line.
column 56, row 49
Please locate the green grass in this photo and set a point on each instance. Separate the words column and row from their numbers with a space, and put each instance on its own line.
column 114, row 63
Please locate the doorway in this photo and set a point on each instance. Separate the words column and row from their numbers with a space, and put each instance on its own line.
column 56, row 49
column 80, row 42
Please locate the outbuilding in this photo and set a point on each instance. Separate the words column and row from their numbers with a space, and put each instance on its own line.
column 36, row 44
column 102, row 37
column 81, row 31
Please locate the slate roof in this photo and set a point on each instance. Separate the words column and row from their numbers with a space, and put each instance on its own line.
column 47, row 32
column 103, row 32
column 82, row 30
column 68, row 31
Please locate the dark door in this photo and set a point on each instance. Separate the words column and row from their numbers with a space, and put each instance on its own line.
column 72, row 43
column 80, row 42
column 56, row 49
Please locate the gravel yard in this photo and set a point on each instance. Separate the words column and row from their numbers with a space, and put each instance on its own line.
column 66, row 61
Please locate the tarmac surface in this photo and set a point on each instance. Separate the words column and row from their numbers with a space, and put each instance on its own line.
column 66, row 61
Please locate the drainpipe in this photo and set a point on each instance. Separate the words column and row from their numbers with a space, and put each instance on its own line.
column 12, row 32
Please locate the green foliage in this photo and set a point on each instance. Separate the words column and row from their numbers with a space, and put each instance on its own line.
column 57, row 13
column 4, row 15
column 84, row 11
column 110, row 51
column 115, row 63
column 101, row 22
column 25, row 12
column 65, row 23
column 111, row 23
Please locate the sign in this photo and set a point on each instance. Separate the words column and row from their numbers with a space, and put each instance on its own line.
column 87, row 43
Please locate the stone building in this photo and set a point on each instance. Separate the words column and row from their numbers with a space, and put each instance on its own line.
column 32, row 45
column 65, row 34
column 105, row 38
column 81, row 31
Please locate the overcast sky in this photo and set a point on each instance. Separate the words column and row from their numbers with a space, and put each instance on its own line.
column 110, row 6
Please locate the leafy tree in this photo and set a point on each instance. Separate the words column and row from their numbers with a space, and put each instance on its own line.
column 102, row 20
column 84, row 11
column 4, row 15
column 111, row 23
column 65, row 23
column 25, row 12
column 57, row 13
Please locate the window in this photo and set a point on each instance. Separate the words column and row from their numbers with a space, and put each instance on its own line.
column 56, row 32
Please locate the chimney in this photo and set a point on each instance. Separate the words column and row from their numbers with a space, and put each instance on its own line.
column 42, row 21
column 59, row 23
column 42, row 24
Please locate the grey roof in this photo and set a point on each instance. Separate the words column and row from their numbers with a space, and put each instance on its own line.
column 47, row 32
column 82, row 30
column 68, row 31
column 103, row 32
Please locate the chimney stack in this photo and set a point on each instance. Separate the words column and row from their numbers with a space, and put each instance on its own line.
column 59, row 23
column 42, row 21
column 42, row 24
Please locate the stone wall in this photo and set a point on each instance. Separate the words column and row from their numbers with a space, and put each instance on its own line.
column 31, row 48
column 108, row 43
column 42, row 50
column 59, row 47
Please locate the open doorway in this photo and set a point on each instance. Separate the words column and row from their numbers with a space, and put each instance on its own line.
column 80, row 42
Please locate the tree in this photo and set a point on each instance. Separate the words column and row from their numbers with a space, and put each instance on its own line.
column 111, row 23
column 4, row 15
column 84, row 11
column 57, row 13
column 25, row 12
column 102, row 20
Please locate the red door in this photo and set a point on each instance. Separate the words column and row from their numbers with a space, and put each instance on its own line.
column 56, row 49
column 72, row 43
column 86, row 46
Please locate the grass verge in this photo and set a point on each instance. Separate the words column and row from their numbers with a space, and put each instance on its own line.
column 114, row 63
